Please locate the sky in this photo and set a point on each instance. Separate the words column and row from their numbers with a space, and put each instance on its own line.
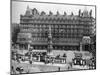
column 19, row 8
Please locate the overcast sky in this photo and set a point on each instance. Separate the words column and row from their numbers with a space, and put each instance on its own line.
column 20, row 8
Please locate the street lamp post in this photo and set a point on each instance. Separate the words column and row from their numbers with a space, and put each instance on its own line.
column 80, row 46
column 28, row 46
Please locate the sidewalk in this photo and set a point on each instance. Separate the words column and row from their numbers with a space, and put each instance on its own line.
column 80, row 67
column 50, row 64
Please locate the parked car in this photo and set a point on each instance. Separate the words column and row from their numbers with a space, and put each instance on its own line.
column 19, row 69
column 79, row 61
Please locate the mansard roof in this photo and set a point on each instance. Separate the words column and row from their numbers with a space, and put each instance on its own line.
column 43, row 16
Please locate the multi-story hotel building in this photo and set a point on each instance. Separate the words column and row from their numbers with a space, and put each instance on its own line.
column 59, row 32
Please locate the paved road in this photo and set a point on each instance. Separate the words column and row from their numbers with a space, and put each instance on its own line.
column 41, row 67
column 33, row 68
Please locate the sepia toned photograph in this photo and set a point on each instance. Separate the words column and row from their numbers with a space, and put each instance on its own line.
column 52, row 37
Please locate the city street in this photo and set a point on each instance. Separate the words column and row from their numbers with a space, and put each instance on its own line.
column 47, row 40
column 42, row 67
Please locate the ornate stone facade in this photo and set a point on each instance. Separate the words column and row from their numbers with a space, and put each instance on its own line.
column 66, row 31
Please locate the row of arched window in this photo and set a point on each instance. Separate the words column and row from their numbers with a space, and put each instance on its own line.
column 58, row 47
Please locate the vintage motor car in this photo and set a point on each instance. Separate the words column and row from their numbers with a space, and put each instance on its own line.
column 78, row 60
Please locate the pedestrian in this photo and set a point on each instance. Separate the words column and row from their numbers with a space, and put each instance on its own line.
column 18, row 60
column 12, row 70
column 68, row 67
column 59, row 69
column 30, row 62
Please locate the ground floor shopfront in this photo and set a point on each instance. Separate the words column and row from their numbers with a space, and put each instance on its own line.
column 54, row 46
